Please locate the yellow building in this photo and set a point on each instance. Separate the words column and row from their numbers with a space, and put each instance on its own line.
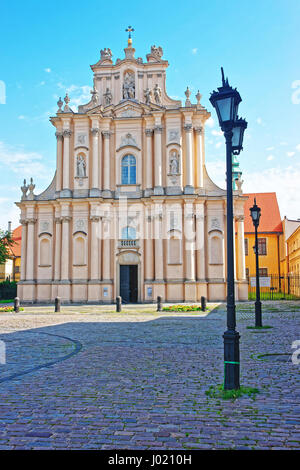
column 288, row 228
column 293, row 261
column 269, row 232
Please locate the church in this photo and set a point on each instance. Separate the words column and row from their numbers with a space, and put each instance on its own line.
column 131, row 210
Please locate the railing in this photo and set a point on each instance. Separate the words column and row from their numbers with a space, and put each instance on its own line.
column 275, row 287
column 127, row 243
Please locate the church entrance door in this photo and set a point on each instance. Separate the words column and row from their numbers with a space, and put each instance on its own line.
column 129, row 283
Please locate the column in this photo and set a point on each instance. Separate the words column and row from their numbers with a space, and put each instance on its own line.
column 189, row 240
column 200, row 156
column 189, row 170
column 106, row 276
column 57, row 254
column 158, row 247
column 59, row 146
column 158, row 189
column 149, row 163
column 106, row 173
column 200, row 243
column 241, row 248
column 30, row 249
column 148, row 249
column 95, row 191
column 23, row 249
column 94, row 262
column 65, row 246
column 66, row 163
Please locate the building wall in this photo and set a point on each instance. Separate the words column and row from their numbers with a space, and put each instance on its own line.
column 270, row 261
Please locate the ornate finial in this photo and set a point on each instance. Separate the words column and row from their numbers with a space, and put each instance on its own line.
column 59, row 104
column 198, row 98
column 129, row 30
column 67, row 101
column 24, row 189
column 187, row 94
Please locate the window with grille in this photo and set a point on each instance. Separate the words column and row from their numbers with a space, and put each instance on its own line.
column 262, row 246
column 263, row 272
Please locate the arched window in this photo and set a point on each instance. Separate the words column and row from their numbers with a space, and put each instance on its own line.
column 45, row 252
column 128, row 169
column 128, row 233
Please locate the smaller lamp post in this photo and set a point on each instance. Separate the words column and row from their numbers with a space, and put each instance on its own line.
column 255, row 212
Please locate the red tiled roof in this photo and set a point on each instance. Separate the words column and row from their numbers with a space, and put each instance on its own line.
column 270, row 220
column 16, row 247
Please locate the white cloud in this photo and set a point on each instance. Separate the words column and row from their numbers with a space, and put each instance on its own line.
column 194, row 50
column 269, row 149
column 218, row 144
column 77, row 94
column 21, row 117
column 217, row 133
column 270, row 157
column 25, row 164
column 298, row 147
column 283, row 181
column 283, row 143
column 210, row 122
column 290, row 154
column 47, row 70
column 259, row 121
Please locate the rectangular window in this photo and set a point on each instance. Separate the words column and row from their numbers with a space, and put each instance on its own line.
column 262, row 246
column 263, row 272
column 247, row 273
column 246, row 246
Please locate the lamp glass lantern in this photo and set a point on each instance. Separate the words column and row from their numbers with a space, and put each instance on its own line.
column 238, row 135
column 226, row 102
column 255, row 213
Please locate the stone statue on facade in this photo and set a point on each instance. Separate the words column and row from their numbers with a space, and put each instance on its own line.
column 157, row 94
column 148, row 95
column 107, row 97
column 95, row 96
column 81, row 167
column 31, row 187
column 129, row 86
column 239, row 182
column 174, row 163
column 157, row 51
column 106, row 54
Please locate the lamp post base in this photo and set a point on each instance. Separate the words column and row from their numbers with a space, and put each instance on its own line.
column 231, row 360
column 258, row 319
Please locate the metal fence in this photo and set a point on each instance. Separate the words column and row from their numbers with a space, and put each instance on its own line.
column 275, row 287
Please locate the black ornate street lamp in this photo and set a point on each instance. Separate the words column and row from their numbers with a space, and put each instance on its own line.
column 226, row 101
column 255, row 212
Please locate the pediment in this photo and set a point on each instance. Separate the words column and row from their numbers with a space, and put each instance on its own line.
column 128, row 108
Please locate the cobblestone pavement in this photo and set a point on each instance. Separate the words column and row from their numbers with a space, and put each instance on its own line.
column 90, row 379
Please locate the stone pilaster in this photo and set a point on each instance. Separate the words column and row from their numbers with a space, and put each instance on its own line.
column 65, row 246
column 189, row 170
column 158, row 247
column 95, row 250
column 149, row 163
column 106, row 173
column 200, row 157
column 200, row 243
column 158, row 189
column 66, row 192
column 30, row 254
column 148, row 249
column 57, row 253
column 189, row 234
column 59, row 147
column 95, row 191
column 23, row 249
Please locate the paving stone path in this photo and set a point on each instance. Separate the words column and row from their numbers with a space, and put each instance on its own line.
column 89, row 378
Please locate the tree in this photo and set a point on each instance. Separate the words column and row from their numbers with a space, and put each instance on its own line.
column 6, row 242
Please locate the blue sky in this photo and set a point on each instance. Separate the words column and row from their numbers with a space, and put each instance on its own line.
column 47, row 48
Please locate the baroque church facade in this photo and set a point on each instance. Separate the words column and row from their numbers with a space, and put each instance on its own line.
column 131, row 210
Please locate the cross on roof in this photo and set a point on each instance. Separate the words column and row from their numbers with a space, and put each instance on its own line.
column 129, row 30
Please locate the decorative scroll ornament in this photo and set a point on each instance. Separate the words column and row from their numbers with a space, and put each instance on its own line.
column 128, row 140
column 106, row 54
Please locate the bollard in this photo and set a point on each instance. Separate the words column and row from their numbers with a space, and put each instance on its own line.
column 57, row 304
column 119, row 304
column 203, row 304
column 159, row 305
column 17, row 304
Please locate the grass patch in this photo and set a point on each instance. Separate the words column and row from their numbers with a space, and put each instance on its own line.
column 182, row 308
column 266, row 327
column 6, row 301
column 218, row 391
